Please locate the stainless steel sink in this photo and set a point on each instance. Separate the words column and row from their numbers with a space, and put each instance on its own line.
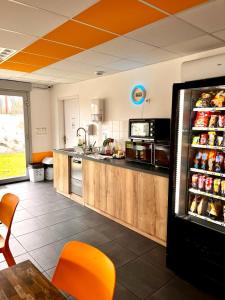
column 68, row 149
column 77, row 150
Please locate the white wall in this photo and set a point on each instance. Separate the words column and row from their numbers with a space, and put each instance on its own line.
column 158, row 80
column 41, row 120
column 116, row 89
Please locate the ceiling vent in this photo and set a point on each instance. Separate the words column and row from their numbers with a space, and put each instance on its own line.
column 5, row 53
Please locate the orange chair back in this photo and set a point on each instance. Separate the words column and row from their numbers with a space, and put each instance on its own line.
column 85, row 272
column 8, row 206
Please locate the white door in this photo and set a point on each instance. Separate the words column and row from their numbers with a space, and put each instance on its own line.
column 71, row 121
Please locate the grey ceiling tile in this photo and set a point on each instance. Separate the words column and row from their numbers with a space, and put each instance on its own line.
column 220, row 34
column 123, row 65
column 209, row 16
column 202, row 43
column 27, row 20
column 165, row 32
column 69, row 8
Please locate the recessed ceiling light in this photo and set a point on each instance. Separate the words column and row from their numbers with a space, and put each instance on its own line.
column 5, row 53
column 99, row 73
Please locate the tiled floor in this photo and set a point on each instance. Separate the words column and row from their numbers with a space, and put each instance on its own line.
column 45, row 221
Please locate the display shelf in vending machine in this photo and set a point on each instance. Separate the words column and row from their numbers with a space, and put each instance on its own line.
column 207, row 172
column 208, row 109
column 207, row 129
column 206, row 218
column 208, row 147
column 198, row 192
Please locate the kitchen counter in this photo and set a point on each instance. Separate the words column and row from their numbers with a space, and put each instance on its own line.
column 122, row 163
column 133, row 194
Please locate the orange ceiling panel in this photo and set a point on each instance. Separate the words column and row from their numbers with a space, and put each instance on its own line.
column 119, row 16
column 79, row 35
column 51, row 49
column 32, row 59
column 174, row 6
column 18, row 67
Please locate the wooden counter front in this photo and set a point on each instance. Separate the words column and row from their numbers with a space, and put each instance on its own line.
column 133, row 198
column 136, row 199
column 61, row 173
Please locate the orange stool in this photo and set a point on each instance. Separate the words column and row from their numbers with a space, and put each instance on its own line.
column 8, row 206
column 85, row 272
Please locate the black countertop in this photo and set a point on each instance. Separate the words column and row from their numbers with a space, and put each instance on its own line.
column 122, row 163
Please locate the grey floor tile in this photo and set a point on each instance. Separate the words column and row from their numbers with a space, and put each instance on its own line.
column 50, row 272
column 111, row 229
column 141, row 278
column 119, row 255
column 36, row 201
column 15, row 247
column 63, row 215
column 46, row 256
column 26, row 226
column 68, row 228
column 21, row 215
column 156, row 256
column 47, row 208
column 93, row 219
column 121, row 293
column 178, row 289
column 92, row 237
column 135, row 242
column 39, row 238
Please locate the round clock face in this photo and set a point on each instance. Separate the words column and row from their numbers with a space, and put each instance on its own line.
column 138, row 94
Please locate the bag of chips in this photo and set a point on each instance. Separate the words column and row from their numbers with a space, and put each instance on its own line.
column 212, row 137
column 202, row 119
column 221, row 121
column 213, row 121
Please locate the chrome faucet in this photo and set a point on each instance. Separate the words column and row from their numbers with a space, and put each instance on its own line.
column 85, row 135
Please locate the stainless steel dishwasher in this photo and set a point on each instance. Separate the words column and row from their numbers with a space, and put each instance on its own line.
column 76, row 175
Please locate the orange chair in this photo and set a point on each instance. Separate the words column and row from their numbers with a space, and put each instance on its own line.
column 85, row 272
column 8, row 206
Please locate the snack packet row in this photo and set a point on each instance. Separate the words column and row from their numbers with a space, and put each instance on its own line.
column 209, row 119
column 211, row 99
column 208, row 184
column 210, row 138
column 210, row 160
column 213, row 209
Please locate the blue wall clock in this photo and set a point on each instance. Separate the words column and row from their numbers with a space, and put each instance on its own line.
column 138, row 94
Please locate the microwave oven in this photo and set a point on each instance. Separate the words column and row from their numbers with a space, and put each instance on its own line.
column 149, row 129
column 156, row 154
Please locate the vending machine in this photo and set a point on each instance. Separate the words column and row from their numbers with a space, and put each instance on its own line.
column 196, row 214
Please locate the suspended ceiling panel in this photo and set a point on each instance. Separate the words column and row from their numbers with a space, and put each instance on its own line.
column 18, row 67
column 27, row 19
column 52, row 49
column 79, row 35
column 68, row 8
column 165, row 32
column 209, row 17
column 13, row 40
column 119, row 16
column 174, row 6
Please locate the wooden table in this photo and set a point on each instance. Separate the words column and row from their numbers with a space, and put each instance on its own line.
column 25, row 281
